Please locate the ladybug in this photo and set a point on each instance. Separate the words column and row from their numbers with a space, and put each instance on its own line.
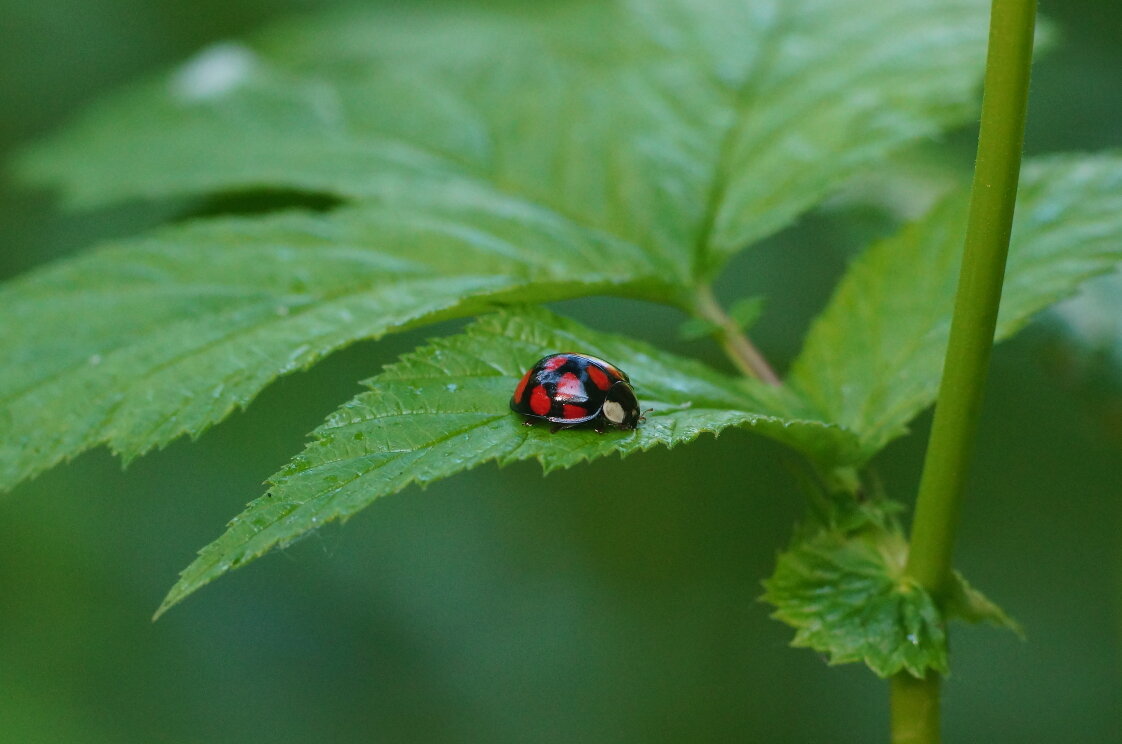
column 568, row 389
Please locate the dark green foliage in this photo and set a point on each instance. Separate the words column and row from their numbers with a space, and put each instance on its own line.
column 873, row 359
column 846, row 597
column 444, row 409
column 841, row 585
column 485, row 160
column 625, row 147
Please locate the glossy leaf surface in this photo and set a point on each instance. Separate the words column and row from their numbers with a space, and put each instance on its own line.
column 444, row 409
column 873, row 359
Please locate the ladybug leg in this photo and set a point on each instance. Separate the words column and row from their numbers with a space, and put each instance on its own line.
column 556, row 428
column 527, row 422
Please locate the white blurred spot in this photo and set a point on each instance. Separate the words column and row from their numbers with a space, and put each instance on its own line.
column 1095, row 314
column 215, row 71
column 95, row 360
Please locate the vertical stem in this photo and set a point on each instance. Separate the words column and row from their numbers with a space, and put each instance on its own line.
column 915, row 709
column 972, row 327
column 979, row 292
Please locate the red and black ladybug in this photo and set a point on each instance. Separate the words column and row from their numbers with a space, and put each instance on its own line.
column 569, row 389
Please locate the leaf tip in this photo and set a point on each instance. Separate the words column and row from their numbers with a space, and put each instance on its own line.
column 173, row 597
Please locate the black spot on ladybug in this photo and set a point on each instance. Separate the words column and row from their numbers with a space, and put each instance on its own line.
column 569, row 389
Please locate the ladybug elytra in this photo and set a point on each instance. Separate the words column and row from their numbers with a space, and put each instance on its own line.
column 568, row 389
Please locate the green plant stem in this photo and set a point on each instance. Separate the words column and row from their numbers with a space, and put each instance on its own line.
column 915, row 709
column 739, row 348
column 972, row 327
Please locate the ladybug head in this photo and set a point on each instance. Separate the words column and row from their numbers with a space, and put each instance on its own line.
column 621, row 408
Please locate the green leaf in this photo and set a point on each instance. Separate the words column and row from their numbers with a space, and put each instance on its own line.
column 691, row 128
column 969, row 604
column 695, row 328
column 744, row 312
column 617, row 146
column 137, row 343
column 841, row 586
column 873, row 359
column 445, row 408
column 846, row 597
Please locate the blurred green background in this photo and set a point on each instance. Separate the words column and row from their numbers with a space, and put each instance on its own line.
column 613, row 603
